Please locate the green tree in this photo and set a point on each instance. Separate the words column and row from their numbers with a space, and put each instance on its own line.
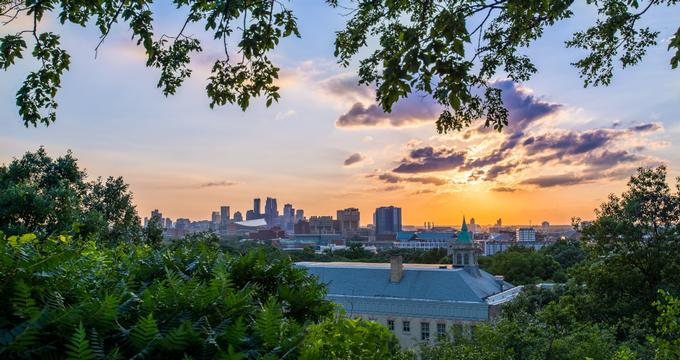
column 45, row 195
column 566, row 252
column 349, row 339
column 634, row 249
column 667, row 340
column 520, row 265
column 449, row 49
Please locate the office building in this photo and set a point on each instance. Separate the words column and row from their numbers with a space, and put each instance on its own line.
column 288, row 217
column 271, row 211
column 238, row 217
column 321, row 225
column 348, row 222
column 302, row 227
column 215, row 218
column 256, row 208
column 224, row 215
column 250, row 215
column 387, row 220
column 525, row 234
column 299, row 215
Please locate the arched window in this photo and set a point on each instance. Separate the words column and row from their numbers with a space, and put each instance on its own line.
column 459, row 259
column 466, row 259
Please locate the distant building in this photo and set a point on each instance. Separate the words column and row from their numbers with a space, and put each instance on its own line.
column 182, row 224
column 302, row 227
column 525, row 234
column 238, row 216
column 387, row 220
column 146, row 221
column 545, row 226
column 473, row 225
column 168, row 223
column 224, row 215
column 418, row 303
column 215, row 219
column 299, row 215
column 499, row 222
column 321, row 225
column 250, row 215
column 288, row 217
column 256, row 208
column 271, row 211
column 348, row 222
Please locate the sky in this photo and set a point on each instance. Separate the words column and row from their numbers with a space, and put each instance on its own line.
column 326, row 145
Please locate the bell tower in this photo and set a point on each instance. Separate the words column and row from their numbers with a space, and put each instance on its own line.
column 463, row 250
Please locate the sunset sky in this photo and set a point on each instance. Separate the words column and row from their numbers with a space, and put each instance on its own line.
column 326, row 146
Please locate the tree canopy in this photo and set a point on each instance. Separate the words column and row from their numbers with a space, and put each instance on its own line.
column 447, row 49
column 49, row 196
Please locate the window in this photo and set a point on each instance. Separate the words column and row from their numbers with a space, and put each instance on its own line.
column 466, row 259
column 390, row 325
column 441, row 330
column 459, row 259
column 424, row 331
column 406, row 326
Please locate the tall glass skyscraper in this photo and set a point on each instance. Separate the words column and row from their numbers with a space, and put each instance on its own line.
column 387, row 220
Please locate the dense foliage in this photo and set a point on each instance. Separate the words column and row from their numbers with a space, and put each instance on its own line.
column 449, row 49
column 64, row 295
column 42, row 195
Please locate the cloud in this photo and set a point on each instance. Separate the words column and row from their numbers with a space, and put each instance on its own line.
column 412, row 111
column 394, row 179
column 428, row 159
column 646, row 127
column 205, row 185
column 353, row 159
column 523, row 107
column 556, row 180
column 503, row 189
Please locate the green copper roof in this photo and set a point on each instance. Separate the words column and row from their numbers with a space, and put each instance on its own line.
column 464, row 236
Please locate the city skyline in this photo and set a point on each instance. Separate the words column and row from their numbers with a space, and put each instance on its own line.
column 326, row 146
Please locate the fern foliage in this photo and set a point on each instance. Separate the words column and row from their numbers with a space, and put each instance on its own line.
column 72, row 297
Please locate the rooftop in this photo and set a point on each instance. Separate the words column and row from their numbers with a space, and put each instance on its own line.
column 419, row 281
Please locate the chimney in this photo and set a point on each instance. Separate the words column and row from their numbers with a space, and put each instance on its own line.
column 396, row 268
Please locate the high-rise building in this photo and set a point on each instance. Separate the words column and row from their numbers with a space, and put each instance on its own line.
column 473, row 225
column 256, row 208
column 182, row 224
column 271, row 211
column 499, row 222
column 299, row 215
column 348, row 221
column 146, row 221
column 238, row 216
column 387, row 220
column 224, row 215
column 545, row 226
column 168, row 223
column 215, row 218
column 288, row 217
column 250, row 215
column 525, row 234
column 321, row 225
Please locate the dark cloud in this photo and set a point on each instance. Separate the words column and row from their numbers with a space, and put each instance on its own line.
column 413, row 110
column 556, row 180
column 214, row 184
column 645, row 127
column 353, row 159
column 428, row 159
column 503, row 189
column 393, row 179
column 523, row 107
column 569, row 143
column 497, row 170
column 609, row 159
